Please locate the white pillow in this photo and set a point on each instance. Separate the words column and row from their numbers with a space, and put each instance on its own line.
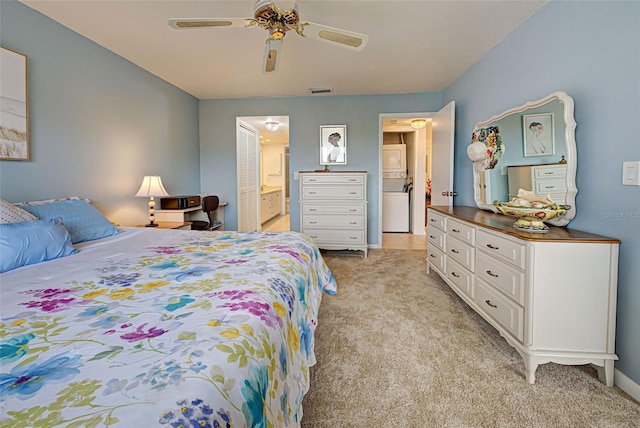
column 10, row 213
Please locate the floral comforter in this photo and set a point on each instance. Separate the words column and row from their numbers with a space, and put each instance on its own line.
column 163, row 327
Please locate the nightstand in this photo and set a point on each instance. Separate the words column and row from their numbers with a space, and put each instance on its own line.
column 186, row 225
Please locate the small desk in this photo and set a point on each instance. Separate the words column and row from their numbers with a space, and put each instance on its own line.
column 170, row 225
column 190, row 214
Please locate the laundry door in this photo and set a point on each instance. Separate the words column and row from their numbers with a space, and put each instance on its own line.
column 247, row 155
column 442, row 154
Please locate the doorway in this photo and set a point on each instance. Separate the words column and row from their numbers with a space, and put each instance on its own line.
column 272, row 172
column 438, row 134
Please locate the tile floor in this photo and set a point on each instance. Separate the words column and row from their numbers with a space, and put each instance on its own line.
column 394, row 241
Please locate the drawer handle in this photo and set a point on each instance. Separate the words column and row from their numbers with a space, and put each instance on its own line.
column 549, row 187
column 312, row 193
column 492, row 247
column 433, row 220
column 454, row 251
column 455, row 230
column 314, row 236
column 488, row 302
column 353, row 222
column 492, row 274
column 548, row 173
column 432, row 237
column 353, row 237
column 352, row 193
column 455, row 274
column 432, row 256
column 353, row 210
column 312, row 179
column 312, row 222
column 312, row 209
column 352, row 179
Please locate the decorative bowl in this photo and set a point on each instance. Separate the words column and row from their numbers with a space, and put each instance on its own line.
column 530, row 219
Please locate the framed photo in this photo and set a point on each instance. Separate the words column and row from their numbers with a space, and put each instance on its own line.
column 333, row 145
column 14, row 135
column 537, row 131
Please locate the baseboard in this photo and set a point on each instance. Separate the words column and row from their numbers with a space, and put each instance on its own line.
column 627, row 385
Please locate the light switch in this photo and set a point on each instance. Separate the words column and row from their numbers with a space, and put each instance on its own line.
column 296, row 175
column 631, row 173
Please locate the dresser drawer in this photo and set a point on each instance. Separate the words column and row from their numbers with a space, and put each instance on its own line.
column 436, row 258
column 549, row 186
column 461, row 277
column 509, row 280
column 330, row 221
column 333, row 209
column 462, row 252
column 332, row 179
column 502, row 248
column 437, row 238
column 333, row 237
column 463, row 231
column 551, row 171
column 499, row 308
column 344, row 192
column 436, row 219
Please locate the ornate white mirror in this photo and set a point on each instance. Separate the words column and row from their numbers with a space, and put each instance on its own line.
column 531, row 146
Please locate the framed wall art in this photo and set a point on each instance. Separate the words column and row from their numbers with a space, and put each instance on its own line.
column 14, row 135
column 537, row 134
column 333, row 145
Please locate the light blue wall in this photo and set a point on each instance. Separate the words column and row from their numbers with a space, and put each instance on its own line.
column 97, row 122
column 306, row 114
column 591, row 50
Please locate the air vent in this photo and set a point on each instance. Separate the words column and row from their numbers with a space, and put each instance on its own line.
column 314, row 91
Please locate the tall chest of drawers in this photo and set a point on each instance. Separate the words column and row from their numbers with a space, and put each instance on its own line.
column 333, row 209
column 551, row 296
column 541, row 179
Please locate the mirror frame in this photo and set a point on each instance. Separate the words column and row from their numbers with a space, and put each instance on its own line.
column 570, row 143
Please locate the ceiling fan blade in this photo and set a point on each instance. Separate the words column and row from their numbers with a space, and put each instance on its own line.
column 337, row 36
column 271, row 55
column 184, row 23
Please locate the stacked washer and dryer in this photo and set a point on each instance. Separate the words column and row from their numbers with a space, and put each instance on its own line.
column 396, row 190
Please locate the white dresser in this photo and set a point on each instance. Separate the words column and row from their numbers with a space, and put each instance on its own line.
column 552, row 296
column 333, row 209
column 543, row 180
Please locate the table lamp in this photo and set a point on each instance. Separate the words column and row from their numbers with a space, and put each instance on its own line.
column 151, row 186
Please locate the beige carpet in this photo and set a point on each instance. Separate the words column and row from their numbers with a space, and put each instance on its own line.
column 397, row 348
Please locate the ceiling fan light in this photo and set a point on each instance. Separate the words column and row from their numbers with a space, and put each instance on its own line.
column 418, row 123
column 272, row 126
column 277, row 31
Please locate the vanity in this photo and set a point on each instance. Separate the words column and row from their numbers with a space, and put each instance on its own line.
column 552, row 295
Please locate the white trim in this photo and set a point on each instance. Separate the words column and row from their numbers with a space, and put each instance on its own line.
column 570, row 142
column 627, row 385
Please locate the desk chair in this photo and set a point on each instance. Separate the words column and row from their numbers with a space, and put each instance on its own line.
column 209, row 205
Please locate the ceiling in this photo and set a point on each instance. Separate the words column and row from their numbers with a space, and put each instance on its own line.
column 413, row 46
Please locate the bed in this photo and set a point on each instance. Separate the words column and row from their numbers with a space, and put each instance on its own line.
column 163, row 327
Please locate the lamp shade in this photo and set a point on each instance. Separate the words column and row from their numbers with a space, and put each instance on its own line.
column 151, row 186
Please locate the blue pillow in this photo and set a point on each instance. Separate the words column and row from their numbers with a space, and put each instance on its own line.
column 29, row 242
column 83, row 221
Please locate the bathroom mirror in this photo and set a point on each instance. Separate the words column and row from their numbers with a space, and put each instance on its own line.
column 551, row 170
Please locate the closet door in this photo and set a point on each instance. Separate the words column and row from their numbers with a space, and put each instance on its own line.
column 247, row 152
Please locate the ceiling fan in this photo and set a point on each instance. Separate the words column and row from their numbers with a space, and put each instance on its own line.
column 278, row 21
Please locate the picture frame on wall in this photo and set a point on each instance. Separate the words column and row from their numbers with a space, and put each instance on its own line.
column 14, row 130
column 333, row 145
column 537, row 134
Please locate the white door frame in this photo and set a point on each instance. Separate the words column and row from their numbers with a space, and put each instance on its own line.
column 420, row 165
